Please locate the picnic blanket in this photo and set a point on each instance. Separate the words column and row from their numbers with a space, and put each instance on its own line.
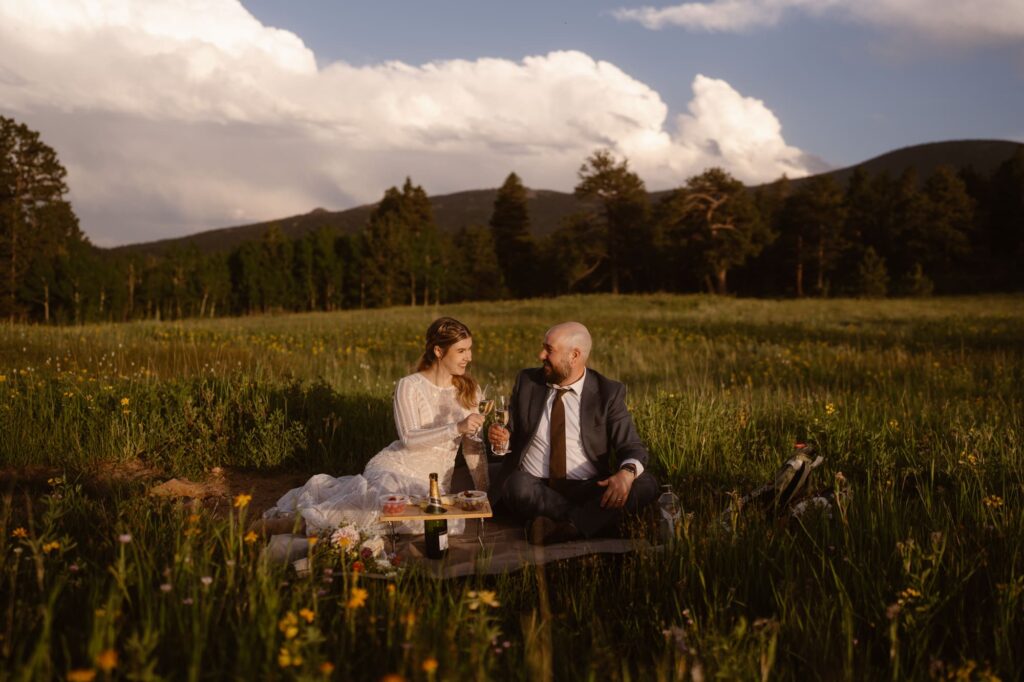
column 501, row 548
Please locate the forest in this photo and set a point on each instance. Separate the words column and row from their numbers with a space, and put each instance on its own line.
column 956, row 231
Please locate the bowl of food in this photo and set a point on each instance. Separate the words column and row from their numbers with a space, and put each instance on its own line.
column 471, row 500
column 392, row 504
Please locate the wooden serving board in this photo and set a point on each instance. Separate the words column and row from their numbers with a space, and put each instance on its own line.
column 413, row 512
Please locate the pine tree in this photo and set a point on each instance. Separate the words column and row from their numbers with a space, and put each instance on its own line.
column 872, row 275
column 624, row 206
column 813, row 221
column 716, row 219
column 945, row 243
column 1006, row 218
column 36, row 222
column 476, row 275
column 516, row 250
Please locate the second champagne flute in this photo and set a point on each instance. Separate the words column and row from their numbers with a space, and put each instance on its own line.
column 501, row 418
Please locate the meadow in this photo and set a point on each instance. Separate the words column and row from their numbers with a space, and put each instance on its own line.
column 916, row 404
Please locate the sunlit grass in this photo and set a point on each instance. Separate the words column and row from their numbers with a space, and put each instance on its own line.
column 917, row 403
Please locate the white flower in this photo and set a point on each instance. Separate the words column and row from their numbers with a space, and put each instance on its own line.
column 346, row 537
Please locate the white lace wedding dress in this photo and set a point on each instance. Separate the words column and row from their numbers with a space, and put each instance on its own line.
column 426, row 418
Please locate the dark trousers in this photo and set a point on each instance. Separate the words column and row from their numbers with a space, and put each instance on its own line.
column 527, row 496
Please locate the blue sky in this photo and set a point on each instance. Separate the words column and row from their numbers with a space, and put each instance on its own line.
column 844, row 91
column 175, row 116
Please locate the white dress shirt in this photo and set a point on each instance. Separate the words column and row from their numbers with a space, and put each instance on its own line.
column 537, row 458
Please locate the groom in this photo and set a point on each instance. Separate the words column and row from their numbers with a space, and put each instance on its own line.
column 567, row 422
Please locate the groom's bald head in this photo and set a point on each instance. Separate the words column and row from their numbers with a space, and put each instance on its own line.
column 565, row 352
column 572, row 336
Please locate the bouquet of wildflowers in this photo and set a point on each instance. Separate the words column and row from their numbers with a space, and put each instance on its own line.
column 362, row 549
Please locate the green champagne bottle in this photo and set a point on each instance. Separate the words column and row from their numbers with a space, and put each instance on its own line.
column 435, row 532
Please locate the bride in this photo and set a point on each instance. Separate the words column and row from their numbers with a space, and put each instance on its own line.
column 434, row 409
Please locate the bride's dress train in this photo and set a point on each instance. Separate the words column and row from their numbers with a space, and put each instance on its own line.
column 426, row 418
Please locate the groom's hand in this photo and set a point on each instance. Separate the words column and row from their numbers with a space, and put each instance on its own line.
column 616, row 489
column 498, row 436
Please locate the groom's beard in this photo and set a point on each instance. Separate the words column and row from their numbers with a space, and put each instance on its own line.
column 555, row 375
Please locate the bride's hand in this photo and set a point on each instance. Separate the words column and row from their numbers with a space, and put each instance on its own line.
column 471, row 424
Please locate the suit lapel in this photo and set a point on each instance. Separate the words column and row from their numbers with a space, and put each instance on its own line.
column 588, row 408
column 536, row 399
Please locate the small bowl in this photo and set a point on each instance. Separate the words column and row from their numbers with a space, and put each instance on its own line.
column 393, row 504
column 471, row 500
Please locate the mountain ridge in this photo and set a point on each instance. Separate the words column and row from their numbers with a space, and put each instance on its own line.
column 548, row 208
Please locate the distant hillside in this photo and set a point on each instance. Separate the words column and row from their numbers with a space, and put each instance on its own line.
column 982, row 155
column 549, row 208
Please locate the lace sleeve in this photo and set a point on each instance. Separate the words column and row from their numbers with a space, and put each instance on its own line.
column 407, row 420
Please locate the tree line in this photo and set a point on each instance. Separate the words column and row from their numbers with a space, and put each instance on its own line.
column 956, row 231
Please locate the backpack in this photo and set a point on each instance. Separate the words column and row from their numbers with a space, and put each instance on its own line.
column 790, row 484
column 792, row 478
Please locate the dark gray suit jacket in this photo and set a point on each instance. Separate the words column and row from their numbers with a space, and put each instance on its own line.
column 605, row 424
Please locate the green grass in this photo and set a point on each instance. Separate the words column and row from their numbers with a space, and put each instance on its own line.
column 917, row 403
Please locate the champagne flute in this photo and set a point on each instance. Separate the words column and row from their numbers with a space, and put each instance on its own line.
column 501, row 418
column 484, row 406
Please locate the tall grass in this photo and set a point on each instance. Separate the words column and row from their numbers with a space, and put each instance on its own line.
column 916, row 404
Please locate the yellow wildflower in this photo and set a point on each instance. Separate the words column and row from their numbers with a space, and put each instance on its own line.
column 106, row 660
column 242, row 501
column 307, row 615
column 51, row 547
column 124, row 402
column 3, row 378
column 357, row 598
column 429, row 665
column 907, row 595
column 286, row 658
column 993, row 502
column 289, row 625
column 19, row 532
column 81, row 675
column 488, row 598
column 312, row 540
column 251, row 537
column 830, row 409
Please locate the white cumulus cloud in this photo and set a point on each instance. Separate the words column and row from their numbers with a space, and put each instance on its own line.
column 957, row 21
column 179, row 115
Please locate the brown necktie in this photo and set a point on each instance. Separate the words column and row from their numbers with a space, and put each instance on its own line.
column 556, row 467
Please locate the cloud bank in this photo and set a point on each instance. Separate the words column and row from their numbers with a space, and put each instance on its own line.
column 950, row 21
column 182, row 115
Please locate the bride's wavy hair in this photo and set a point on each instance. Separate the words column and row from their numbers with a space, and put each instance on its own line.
column 445, row 332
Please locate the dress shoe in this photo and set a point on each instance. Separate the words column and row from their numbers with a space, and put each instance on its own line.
column 545, row 531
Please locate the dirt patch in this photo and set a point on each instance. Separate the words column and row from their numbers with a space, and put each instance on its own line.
column 266, row 488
